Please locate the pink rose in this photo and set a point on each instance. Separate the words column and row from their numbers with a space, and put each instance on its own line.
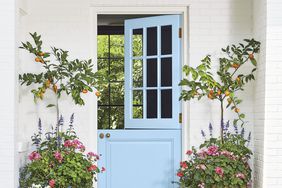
column 92, row 168
column 240, row 175
column 58, row 156
column 212, row 150
column 189, row 152
column 203, row 167
column 201, row 185
column 68, row 143
column 91, row 154
column 183, row 165
column 34, row 156
column 219, row 171
column 52, row 183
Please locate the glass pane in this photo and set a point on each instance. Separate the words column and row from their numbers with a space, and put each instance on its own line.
column 166, row 38
column 117, row 93
column 137, row 43
column 103, row 118
column 166, row 100
column 117, row 70
column 137, row 104
column 166, row 71
column 137, row 73
column 117, row 118
column 152, row 72
column 116, row 46
column 103, row 46
column 104, row 98
column 152, row 41
column 152, row 104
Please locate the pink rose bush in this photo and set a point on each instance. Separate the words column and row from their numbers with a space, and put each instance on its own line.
column 217, row 163
column 60, row 161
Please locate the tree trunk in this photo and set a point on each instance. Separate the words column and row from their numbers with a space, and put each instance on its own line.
column 221, row 121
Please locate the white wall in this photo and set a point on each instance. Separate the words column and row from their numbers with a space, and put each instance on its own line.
column 66, row 24
column 259, row 99
column 7, row 95
column 273, row 96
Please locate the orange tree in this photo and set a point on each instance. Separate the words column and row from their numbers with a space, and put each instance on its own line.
column 61, row 75
column 202, row 82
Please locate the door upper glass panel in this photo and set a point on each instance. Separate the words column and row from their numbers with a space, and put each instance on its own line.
column 152, row 72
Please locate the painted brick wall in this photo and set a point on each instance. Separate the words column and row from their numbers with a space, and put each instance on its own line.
column 7, row 94
column 273, row 96
column 259, row 99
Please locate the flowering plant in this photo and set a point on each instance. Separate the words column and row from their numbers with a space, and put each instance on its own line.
column 59, row 161
column 218, row 164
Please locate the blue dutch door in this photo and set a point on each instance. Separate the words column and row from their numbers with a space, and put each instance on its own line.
column 147, row 152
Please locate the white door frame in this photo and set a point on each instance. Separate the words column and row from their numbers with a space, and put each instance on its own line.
column 183, row 10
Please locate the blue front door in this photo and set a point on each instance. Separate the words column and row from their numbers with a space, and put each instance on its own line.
column 146, row 154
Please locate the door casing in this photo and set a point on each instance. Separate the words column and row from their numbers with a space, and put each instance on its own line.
column 182, row 10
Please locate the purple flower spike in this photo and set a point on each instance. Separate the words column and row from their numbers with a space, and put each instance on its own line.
column 203, row 134
column 210, row 129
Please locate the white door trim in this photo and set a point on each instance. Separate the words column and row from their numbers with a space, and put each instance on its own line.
column 183, row 10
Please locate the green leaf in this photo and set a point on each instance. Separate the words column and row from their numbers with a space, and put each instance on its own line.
column 50, row 105
column 254, row 62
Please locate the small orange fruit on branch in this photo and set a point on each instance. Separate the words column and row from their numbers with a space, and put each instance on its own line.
column 47, row 83
column 235, row 65
column 84, row 91
column 227, row 92
column 97, row 93
column 41, row 54
column 237, row 110
column 55, row 88
column 37, row 59
column 251, row 56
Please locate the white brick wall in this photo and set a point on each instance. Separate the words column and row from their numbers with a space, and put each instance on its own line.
column 7, row 94
column 259, row 22
column 273, row 96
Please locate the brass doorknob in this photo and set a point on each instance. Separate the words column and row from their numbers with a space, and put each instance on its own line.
column 101, row 135
column 108, row 135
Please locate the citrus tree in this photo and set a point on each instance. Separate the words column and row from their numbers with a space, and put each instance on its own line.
column 59, row 74
column 202, row 82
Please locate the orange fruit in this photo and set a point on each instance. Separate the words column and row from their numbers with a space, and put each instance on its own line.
column 84, row 91
column 55, row 88
column 97, row 93
column 37, row 59
column 237, row 110
column 219, row 92
column 227, row 93
column 41, row 53
column 47, row 83
column 235, row 65
column 238, row 79
column 210, row 96
column 251, row 56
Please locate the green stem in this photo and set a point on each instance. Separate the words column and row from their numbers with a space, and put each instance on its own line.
column 221, row 120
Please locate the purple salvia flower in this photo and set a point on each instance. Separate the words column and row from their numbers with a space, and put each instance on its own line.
column 249, row 138
column 39, row 127
column 227, row 125
column 235, row 128
column 71, row 121
column 203, row 134
column 210, row 129
column 61, row 121
column 243, row 132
